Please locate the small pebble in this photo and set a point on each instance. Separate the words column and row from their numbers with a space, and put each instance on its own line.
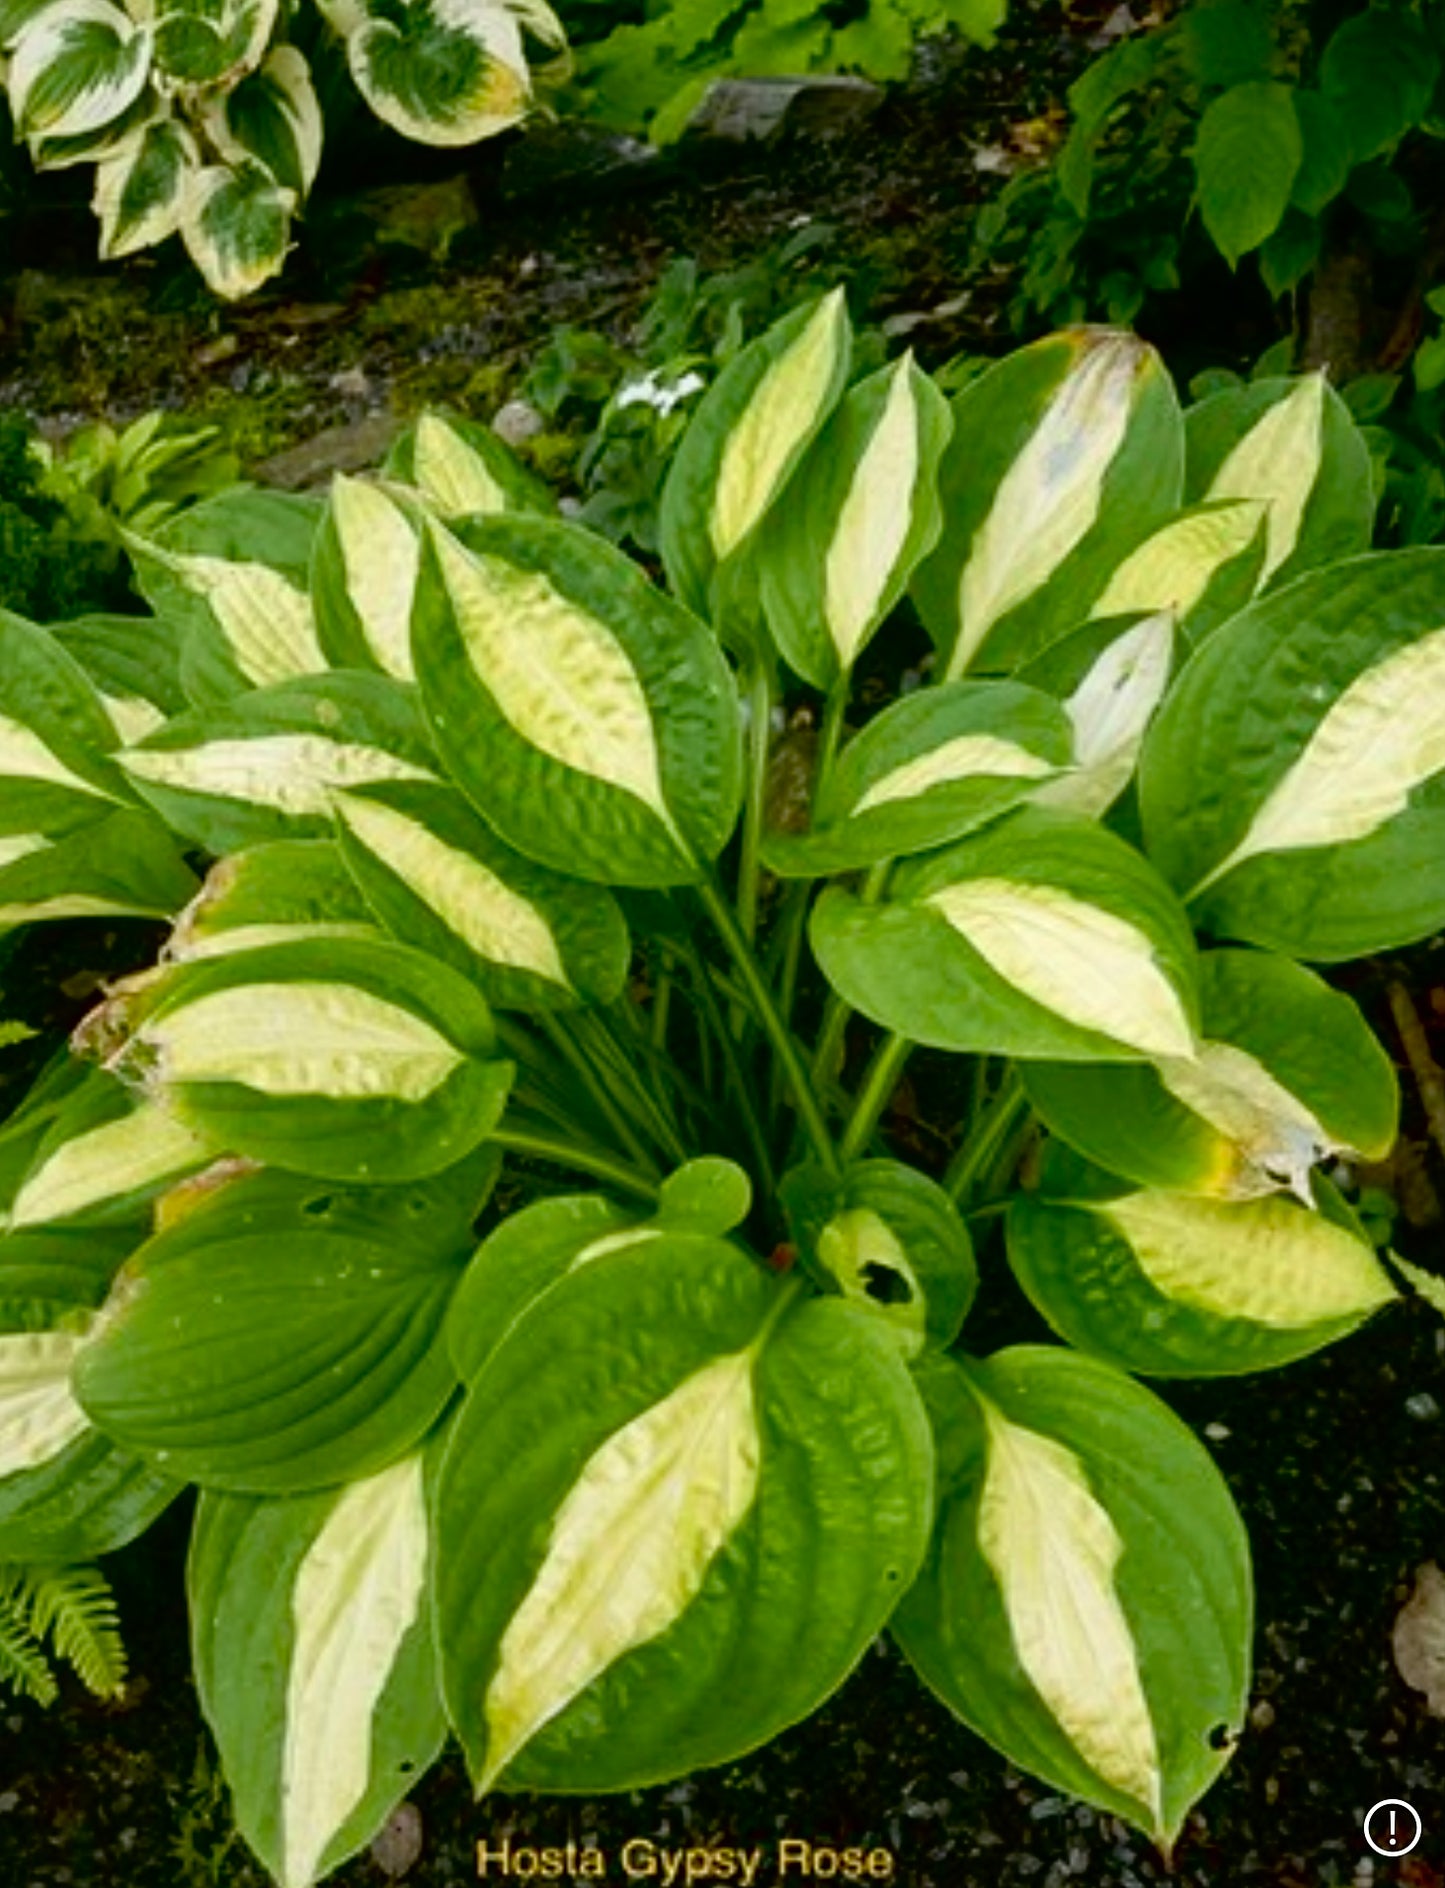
column 1422, row 1407
column 1217, row 1432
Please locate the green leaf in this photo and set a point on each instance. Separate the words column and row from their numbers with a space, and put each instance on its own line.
column 1291, row 252
column 441, row 75
column 462, row 469
column 591, row 720
column 283, row 1337
column 134, row 662
column 1087, row 1603
column 363, row 578
column 1246, row 158
column 437, row 876
column 930, row 768
column 1226, row 43
column 1202, row 565
column 351, row 1059
column 140, row 191
column 123, row 866
column 280, row 892
column 1043, row 937
column 757, row 1464
column 236, row 225
column 311, row 1624
column 1327, row 156
column 272, row 117
column 76, row 67
column 212, row 42
column 1378, row 71
column 1063, row 458
column 55, row 738
column 1292, row 786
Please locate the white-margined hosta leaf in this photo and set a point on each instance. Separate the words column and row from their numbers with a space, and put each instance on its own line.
column 462, row 469
column 1287, row 1072
column 94, row 147
column 746, row 439
column 1293, row 444
column 104, row 1159
column 123, row 865
column 1176, row 1284
column 1086, row 1603
column 1063, row 458
column 1044, row 936
column 283, row 1335
column 273, row 117
column 749, row 1472
column 1203, row 566
column 1110, row 710
column 350, row 1058
column 862, row 512
column 279, row 892
column 266, row 765
column 1309, row 818
column 236, row 225
column 75, row 68
column 438, row 876
column 210, row 42
column 363, row 578
column 141, row 190
column 590, row 719
column 444, row 72
column 930, row 768
column 322, row 1734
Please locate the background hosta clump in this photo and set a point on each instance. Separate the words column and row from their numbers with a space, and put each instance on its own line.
column 490, row 876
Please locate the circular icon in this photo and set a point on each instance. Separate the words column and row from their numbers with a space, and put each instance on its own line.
column 1392, row 1827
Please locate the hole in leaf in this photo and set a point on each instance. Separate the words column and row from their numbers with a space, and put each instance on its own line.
column 886, row 1286
column 1221, row 1738
column 318, row 1207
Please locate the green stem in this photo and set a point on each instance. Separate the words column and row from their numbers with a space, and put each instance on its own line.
column 878, row 1085
column 784, row 1047
column 987, row 1136
column 653, row 1116
column 836, row 1012
column 581, row 1065
column 752, row 1126
column 760, row 728
column 576, row 1157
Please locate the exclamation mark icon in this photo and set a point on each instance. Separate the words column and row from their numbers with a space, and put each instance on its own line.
column 1392, row 1827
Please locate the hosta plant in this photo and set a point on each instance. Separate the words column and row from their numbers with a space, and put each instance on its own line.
column 615, row 1469
column 201, row 117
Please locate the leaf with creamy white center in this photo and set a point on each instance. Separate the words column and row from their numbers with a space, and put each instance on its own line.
column 75, row 68
column 889, row 1239
column 1115, row 681
column 1064, row 458
column 745, row 441
column 679, row 1503
column 231, row 575
column 441, row 72
column 311, row 1624
column 1087, row 1602
column 284, row 1335
column 140, row 191
column 1173, row 1284
column 67, row 1492
column 929, row 768
column 345, row 1057
column 236, row 225
column 276, row 893
column 273, row 117
column 591, row 720
column 861, row 512
column 1042, row 937
column 437, row 876
column 462, row 469
column 1292, row 444
column 1293, row 785
column 56, row 739
column 1287, row 1074
column 1203, row 566
column 266, row 765
column 124, row 865
column 363, row 578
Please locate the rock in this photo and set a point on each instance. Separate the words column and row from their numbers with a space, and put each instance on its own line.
column 424, row 217
column 1419, row 1638
column 736, row 111
column 577, row 158
column 518, row 421
column 351, row 448
column 397, row 1844
column 212, row 353
column 352, row 383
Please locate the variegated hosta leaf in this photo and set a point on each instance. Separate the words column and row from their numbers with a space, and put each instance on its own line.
column 590, row 719
column 277, row 893
column 273, row 117
column 1202, row 566
column 745, row 441
column 266, row 765
column 124, row 865
column 1044, row 936
column 231, row 575
column 311, row 1625
column 889, row 1239
column 55, row 737
column 1064, row 458
column 210, row 42
column 352, row 1059
column 363, row 578
column 236, row 225
column 721, row 1502
column 1086, row 1606
column 66, row 1491
column 862, row 512
column 75, row 68
column 930, row 768
column 1293, row 444
column 462, row 469
column 284, row 1335
column 134, row 663
column 437, row 876
column 140, row 191
column 1110, row 707
column 443, row 72
column 1293, row 786
column 1287, row 1073
column 1174, row 1284
column 94, row 147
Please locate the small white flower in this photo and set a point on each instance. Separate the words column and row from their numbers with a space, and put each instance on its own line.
column 650, row 391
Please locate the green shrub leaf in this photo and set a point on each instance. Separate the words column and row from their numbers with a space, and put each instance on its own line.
column 1247, row 156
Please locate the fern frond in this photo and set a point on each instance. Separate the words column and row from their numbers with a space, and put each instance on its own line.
column 24, row 1668
column 75, row 1608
